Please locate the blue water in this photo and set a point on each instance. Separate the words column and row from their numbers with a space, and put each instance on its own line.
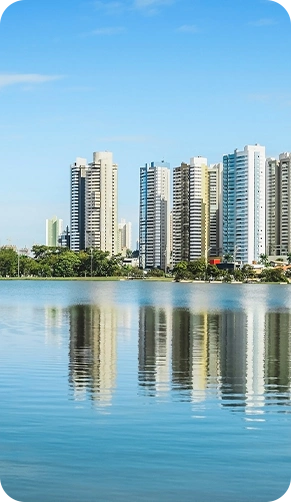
column 136, row 391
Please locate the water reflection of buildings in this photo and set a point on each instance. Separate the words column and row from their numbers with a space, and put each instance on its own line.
column 241, row 356
column 154, row 348
column 53, row 324
column 93, row 352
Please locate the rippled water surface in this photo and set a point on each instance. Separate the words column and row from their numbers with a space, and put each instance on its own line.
column 136, row 391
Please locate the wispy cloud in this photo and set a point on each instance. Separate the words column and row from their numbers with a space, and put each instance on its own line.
column 262, row 22
column 29, row 78
column 150, row 6
column 110, row 7
column 188, row 28
column 144, row 4
column 259, row 97
column 109, row 31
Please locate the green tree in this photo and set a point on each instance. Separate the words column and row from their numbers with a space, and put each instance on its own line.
column 197, row 268
column 212, row 271
column 227, row 257
column 273, row 275
column 156, row 272
column 66, row 264
column 136, row 273
column 264, row 260
column 226, row 276
column 248, row 272
column 8, row 262
column 181, row 272
column 238, row 275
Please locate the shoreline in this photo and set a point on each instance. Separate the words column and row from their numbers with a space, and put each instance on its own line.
column 125, row 279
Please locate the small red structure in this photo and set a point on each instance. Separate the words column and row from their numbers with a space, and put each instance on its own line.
column 214, row 261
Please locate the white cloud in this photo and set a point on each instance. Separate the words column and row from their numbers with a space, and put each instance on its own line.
column 259, row 97
column 29, row 78
column 188, row 28
column 144, row 4
column 117, row 7
column 110, row 7
column 262, row 22
column 110, row 30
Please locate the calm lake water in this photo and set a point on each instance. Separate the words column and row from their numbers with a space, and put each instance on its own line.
column 136, row 391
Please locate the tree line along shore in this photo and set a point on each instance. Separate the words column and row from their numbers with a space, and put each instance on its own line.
column 57, row 262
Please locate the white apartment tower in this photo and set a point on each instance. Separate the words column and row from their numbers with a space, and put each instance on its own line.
column 198, row 208
column 101, row 204
column 94, row 204
column 154, row 224
column 244, row 215
column 215, row 209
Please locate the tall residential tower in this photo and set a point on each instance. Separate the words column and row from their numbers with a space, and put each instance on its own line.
column 154, row 219
column 94, row 204
column 278, row 205
column 244, row 203
column 197, row 221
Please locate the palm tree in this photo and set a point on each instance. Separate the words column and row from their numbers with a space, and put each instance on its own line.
column 228, row 257
column 264, row 260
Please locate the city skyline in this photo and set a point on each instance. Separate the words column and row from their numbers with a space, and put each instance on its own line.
column 51, row 113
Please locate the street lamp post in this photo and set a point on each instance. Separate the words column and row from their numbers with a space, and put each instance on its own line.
column 91, row 261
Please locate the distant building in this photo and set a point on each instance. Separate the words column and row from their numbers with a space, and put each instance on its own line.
column 94, row 204
column 244, row 203
column 54, row 228
column 64, row 239
column 124, row 236
column 154, row 219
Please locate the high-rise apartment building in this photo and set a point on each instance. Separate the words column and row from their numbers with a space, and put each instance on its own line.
column 278, row 205
column 94, row 204
column 197, row 220
column 124, row 236
column 101, row 203
column 215, row 209
column 154, row 220
column 244, row 203
column 181, row 213
column 198, row 208
column 54, row 228
column 78, row 177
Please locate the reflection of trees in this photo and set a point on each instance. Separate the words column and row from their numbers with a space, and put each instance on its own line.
column 93, row 351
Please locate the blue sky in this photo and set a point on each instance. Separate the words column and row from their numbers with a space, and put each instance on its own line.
column 145, row 79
